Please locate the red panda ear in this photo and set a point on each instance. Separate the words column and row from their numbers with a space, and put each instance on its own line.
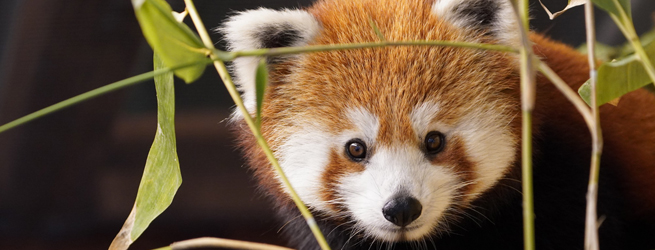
column 264, row 28
column 492, row 17
column 267, row 28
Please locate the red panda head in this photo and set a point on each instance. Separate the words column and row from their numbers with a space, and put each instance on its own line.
column 396, row 141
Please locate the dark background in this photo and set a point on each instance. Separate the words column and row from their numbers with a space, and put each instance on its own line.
column 68, row 180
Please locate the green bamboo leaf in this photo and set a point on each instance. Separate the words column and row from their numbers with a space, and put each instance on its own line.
column 261, row 80
column 161, row 177
column 612, row 6
column 571, row 4
column 619, row 77
column 172, row 40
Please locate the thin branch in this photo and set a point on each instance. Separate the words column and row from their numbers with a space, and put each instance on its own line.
column 92, row 94
column 528, row 92
column 227, row 80
column 229, row 56
column 591, row 218
column 569, row 93
column 223, row 243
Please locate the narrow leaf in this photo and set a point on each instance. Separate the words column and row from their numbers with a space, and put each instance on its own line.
column 572, row 3
column 172, row 40
column 619, row 77
column 161, row 177
column 261, row 80
column 615, row 7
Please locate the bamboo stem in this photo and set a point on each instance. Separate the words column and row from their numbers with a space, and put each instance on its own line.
column 206, row 242
column 92, row 94
column 227, row 80
column 528, row 92
column 229, row 56
column 591, row 228
column 569, row 93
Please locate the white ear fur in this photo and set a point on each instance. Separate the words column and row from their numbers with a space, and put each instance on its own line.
column 263, row 28
column 497, row 17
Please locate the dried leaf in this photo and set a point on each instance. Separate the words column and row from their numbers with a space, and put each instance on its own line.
column 572, row 3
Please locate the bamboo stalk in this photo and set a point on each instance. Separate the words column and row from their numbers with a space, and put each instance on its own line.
column 571, row 95
column 227, row 80
column 229, row 56
column 206, row 242
column 528, row 92
column 591, row 228
column 92, row 94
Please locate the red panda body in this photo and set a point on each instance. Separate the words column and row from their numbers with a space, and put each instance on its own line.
column 418, row 147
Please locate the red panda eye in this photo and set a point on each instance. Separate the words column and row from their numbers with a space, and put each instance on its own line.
column 356, row 149
column 434, row 142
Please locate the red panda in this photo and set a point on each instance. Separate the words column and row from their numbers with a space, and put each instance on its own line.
column 418, row 147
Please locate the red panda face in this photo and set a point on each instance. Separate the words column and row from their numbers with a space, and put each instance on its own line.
column 398, row 141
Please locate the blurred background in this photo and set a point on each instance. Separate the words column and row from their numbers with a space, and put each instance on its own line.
column 68, row 180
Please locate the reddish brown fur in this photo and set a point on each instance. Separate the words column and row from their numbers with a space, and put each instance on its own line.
column 455, row 156
column 627, row 128
column 338, row 167
column 388, row 89
column 314, row 86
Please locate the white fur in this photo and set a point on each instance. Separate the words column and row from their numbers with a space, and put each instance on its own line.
column 399, row 168
column 303, row 158
column 423, row 119
column 488, row 142
column 366, row 126
column 506, row 28
column 240, row 32
column 305, row 153
column 489, row 145
column 391, row 170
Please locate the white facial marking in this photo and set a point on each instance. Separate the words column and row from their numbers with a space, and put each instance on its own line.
column 422, row 117
column 366, row 126
column 390, row 171
column 303, row 158
column 489, row 145
column 399, row 168
column 488, row 142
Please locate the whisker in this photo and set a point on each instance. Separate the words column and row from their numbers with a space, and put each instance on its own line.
column 287, row 223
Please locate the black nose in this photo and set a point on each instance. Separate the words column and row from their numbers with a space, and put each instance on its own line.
column 402, row 210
